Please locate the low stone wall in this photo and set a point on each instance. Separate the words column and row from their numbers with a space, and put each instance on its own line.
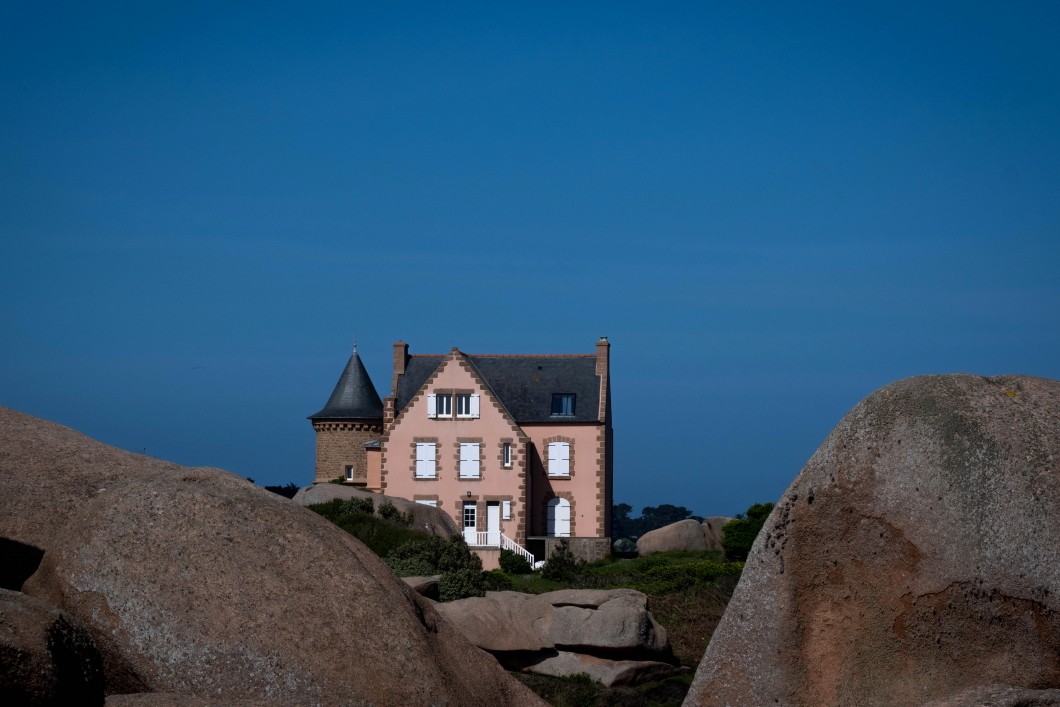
column 588, row 549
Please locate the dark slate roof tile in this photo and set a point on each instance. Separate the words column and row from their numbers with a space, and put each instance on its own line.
column 354, row 396
column 524, row 384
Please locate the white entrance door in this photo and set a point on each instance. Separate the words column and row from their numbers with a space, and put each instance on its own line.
column 493, row 524
column 471, row 522
column 559, row 518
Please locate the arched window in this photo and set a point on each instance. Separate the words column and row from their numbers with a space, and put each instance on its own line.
column 559, row 518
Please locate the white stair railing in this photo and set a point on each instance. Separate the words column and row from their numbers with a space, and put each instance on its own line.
column 509, row 544
column 497, row 539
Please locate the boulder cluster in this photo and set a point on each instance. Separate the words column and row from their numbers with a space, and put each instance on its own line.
column 143, row 582
column 608, row 634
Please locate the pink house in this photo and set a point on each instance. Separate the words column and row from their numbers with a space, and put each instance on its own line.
column 517, row 448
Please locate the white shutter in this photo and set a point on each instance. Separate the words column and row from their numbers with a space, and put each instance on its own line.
column 469, row 460
column 432, row 410
column 558, row 459
column 506, row 509
column 474, row 406
column 558, row 519
column 425, row 460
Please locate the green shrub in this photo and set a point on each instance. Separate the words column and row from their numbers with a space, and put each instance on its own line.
column 411, row 567
column 514, row 563
column 739, row 535
column 381, row 536
column 457, row 556
column 497, row 581
column 461, row 584
column 460, row 569
column 390, row 512
column 562, row 565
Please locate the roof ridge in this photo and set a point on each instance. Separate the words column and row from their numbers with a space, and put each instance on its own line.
column 572, row 355
column 493, row 355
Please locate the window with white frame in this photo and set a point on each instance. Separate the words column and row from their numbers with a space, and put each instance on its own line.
column 506, row 454
column 469, row 460
column 467, row 405
column 439, row 405
column 426, row 464
column 506, row 510
column 559, row 458
column 432, row 502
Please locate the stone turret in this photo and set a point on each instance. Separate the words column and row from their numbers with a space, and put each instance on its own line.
column 351, row 420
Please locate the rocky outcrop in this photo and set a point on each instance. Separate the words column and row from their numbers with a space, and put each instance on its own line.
column 916, row 557
column 688, row 534
column 195, row 582
column 714, row 531
column 609, row 634
column 45, row 657
column 426, row 519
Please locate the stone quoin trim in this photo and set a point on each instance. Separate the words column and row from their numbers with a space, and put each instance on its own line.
column 601, row 482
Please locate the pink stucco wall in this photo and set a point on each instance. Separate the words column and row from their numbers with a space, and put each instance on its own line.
column 587, row 486
column 490, row 429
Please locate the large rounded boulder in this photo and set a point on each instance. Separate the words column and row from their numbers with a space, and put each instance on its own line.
column 915, row 558
column 195, row 582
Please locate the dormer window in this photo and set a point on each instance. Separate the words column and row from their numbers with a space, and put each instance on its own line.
column 466, row 405
column 563, row 405
column 440, row 405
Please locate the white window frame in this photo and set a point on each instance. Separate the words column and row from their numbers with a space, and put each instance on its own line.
column 506, row 510
column 426, row 460
column 506, row 455
column 432, row 502
column 470, row 460
column 559, row 458
column 467, row 405
column 439, row 405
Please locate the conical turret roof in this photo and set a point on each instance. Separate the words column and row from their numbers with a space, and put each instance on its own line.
column 354, row 396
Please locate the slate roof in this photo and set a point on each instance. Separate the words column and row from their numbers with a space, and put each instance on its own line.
column 354, row 396
column 524, row 384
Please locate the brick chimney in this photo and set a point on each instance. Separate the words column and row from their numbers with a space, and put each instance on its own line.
column 603, row 369
column 401, row 359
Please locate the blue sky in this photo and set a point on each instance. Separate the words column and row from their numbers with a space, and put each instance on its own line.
column 771, row 209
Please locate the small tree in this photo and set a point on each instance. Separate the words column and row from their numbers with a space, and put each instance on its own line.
column 562, row 565
column 514, row 563
column 739, row 535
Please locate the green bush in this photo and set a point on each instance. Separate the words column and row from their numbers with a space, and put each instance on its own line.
column 390, row 512
column 497, row 581
column 739, row 535
column 411, row 567
column 460, row 569
column 381, row 536
column 514, row 563
column 562, row 565
column 461, row 584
